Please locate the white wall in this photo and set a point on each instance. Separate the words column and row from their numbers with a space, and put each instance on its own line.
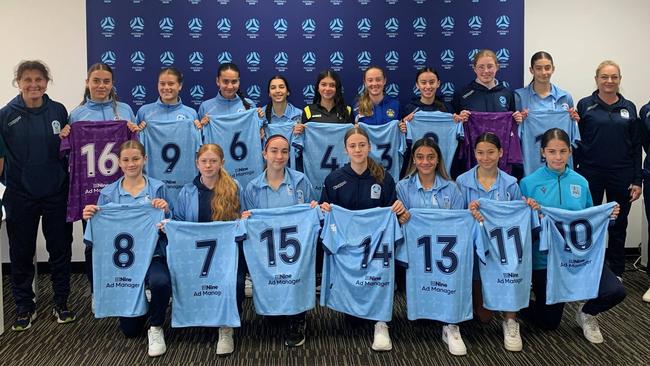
column 579, row 34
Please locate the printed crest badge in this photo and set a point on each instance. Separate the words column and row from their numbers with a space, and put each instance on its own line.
column 446, row 202
column 502, row 101
column 576, row 190
column 390, row 113
column 56, row 127
column 565, row 106
column 543, row 189
column 625, row 113
column 300, row 196
column 180, row 117
column 375, row 191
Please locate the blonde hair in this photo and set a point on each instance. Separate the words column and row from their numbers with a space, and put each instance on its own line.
column 225, row 198
column 607, row 63
column 376, row 169
column 365, row 104
column 485, row 53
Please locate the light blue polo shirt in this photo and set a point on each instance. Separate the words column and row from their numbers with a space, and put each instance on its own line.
column 444, row 194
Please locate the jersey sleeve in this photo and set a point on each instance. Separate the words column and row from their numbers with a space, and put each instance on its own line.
column 515, row 192
column 249, row 197
column 330, row 235
column 164, row 194
column 457, row 197
column 518, row 105
column 401, row 252
column 88, row 234
column 240, row 196
column 402, row 194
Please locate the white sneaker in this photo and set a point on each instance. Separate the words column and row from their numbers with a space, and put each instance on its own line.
column 590, row 328
column 646, row 296
column 381, row 341
column 225, row 344
column 511, row 337
column 157, row 345
column 248, row 287
column 451, row 336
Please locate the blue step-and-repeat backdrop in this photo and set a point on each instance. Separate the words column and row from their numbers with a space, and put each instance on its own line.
column 298, row 39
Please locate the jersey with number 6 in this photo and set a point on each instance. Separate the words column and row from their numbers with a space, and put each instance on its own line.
column 505, row 253
column 93, row 161
column 362, row 247
column 280, row 250
column 575, row 241
column 123, row 238
column 202, row 260
column 440, row 247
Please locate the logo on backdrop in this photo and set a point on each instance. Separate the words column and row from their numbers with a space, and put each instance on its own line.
column 419, row 26
column 392, row 59
column 392, row 26
column 308, row 28
column 166, row 26
column 447, row 24
column 224, row 57
column 416, row 91
column 137, row 26
column 503, row 56
column 419, row 58
column 447, row 57
column 364, row 58
column 308, row 93
column 506, row 84
column 195, row 25
column 254, row 92
column 475, row 23
column 280, row 26
column 503, row 25
column 252, row 26
column 197, row 92
column 281, row 60
column 137, row 61
column 470, row 56
column 364, row 26
column 108, row 25
column 196, row 60
column 253, row 61
column 139, row 93
column 223, row 28
column 336, row 59
column 392, row 89
column 109, row 58
column 336, row 27
column 308, row 61
column 447, row 90
column 167, row 58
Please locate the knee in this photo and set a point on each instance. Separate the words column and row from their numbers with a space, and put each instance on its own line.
column 616, row 294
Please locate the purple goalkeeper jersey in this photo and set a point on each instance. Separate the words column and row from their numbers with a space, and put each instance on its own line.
column 501, row 124
column 93, row 162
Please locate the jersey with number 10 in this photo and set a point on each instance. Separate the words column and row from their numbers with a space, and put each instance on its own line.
column 123, row 239
column 440, row 247
column 388, row 145
column 202, row 260
column 359, row 266
column 93, row 162
column 280, row 250
column 505, row 253
column 440, row 127
column 575, row 241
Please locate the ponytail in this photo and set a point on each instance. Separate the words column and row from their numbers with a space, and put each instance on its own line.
column 365, row 107
column 241, row 96
column 376, row 170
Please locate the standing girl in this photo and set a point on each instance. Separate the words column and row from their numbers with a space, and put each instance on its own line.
column 229, row 98
column 374, row 107
column 328, row 105
column 427, row 81
column 279, row 109
column 169, row 106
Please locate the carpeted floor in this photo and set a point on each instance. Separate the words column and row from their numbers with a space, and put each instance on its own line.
column 331, row 339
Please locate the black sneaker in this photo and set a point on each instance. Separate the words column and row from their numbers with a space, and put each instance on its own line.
column 23, row 321
column 63, row 315
column 296, row 333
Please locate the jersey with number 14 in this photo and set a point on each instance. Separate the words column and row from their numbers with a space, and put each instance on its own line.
column 280, row 250
column 123, row 239
column 93, row 161
column 202, row 260
column 359, row 266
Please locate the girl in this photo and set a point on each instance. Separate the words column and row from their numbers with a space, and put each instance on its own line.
column 328, row 105
column 373, row 106
column 427, row 185
column 609, row 153
column 169, row 105
column 135, row 187
column 354, row 183
column 550, row 186
column 427, row 81
column 37, row 185
column 229, row 98
column 280, row 186
column 279, row 109
column 214, row 196
column 486, row 180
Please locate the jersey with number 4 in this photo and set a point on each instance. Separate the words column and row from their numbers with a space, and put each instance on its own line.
column 202, row 260
column 93, row 161
column 388, row 145
column 505, row 253
column 123, row 239
column 440, row 247
column 280, row 250
column 575, row 241
column 359, row 265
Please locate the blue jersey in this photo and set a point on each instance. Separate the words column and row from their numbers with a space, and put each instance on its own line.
column 444, row 193
column 291, row 114
column 441, row 127
column 171, row 148
column 123, row 238
column 505, row 188
column 322, row 150
column 505, row 253
column 532, row 129
column 359, row 264
column 440, row 247
column 280, row 251
column 239, row 136
column 160, row 111
column 219, row 106
column 202, row 260
column 384, row 112
column 294, row 189
column 556, row 100
column 102, row 111
column 575, row 241
column 388, row 145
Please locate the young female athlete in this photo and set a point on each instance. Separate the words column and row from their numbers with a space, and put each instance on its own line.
column 328, row 104
column 551, row 186
column 427, row 81
column 169, row 106
column 214, row 196
column 374, row 107
column 279, row 109
column 135, row 187
column 351, row 187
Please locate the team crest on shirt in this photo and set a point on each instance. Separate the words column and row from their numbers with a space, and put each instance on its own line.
column 180, row 117
column 625, row 114
column 300, row 196
column 390, row 113
column 565, row 106
column 375, row 191
column 543, row 189
column 56, row 127
column 576, row 190
column 446, row 201
column 502, row 101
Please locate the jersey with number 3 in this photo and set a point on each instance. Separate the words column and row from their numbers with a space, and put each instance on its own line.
column 388, row 145
column 575, row 241
column 505, row 253
column 280, row 250
column 362, row 247
column 123, row 239
column 93, row 161
column 202, row 260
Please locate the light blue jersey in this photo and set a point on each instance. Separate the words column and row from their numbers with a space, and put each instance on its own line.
column 294, row 189
column 102, row 111
column 123, row 238
column 532, row 129
column 322, row 149
column 160, row 111
column 444, row 193
column 239, row 136
column 440, row 247
column 387, row 145
column 219, row 106
column 505, row 253
column 441, row 127
column 171, row 148
column 291, row 115
column 505, row 188
column 557, row 100
column 280, row 251
column 575, row 241
column 202, row 260
column 359, row 264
